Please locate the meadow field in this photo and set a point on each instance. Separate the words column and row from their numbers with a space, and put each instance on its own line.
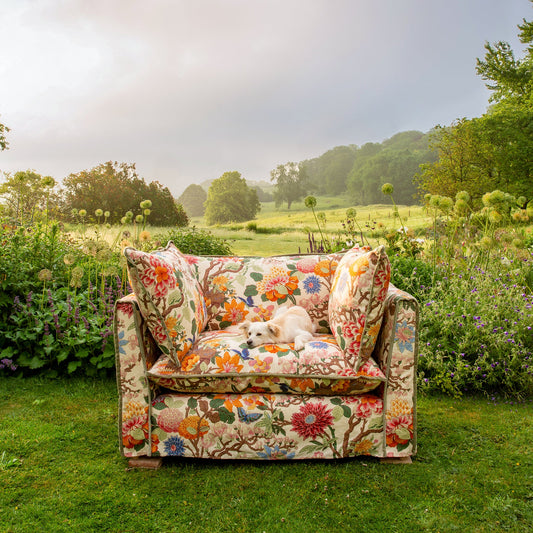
column 278, row 230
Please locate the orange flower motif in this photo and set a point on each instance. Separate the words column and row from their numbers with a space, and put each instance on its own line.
column 171, row 323
column 220, row 283
column 304, row 385
column 274, row 348
column 193, row 427
column 189, row 362
column 161, row 273
column 359, row 266
column 230, row 401
column 235, row 312
column 325, row 268
column 228, row 363
column 363, row 447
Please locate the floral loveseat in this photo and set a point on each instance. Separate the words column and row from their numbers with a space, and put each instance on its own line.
column 190, row 386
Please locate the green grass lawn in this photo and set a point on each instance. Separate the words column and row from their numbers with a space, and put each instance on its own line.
column 60, row 470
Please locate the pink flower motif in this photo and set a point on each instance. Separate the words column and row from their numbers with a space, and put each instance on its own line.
column 160, row 276
column 369, row 405
column 306, row 265
column 311, row 420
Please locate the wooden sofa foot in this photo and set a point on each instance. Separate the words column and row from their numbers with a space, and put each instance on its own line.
column 396, row 460
column 152, row 463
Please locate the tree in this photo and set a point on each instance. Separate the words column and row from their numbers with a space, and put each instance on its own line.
column 494, row 151
column 229, row 199
column 291, row 183
column 506, row 76
column 117, row 188
column 193, row 199
column 396, row 161
column 464, row 161
column 3, row 141
column 26, row 193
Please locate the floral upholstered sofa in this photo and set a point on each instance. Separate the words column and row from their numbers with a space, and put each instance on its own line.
column 190, row 386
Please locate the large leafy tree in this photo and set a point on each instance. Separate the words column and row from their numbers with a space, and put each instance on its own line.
column 117, row 188
column 496, row 149
column 27, row 194
column 291, row 183
column 229, row 199
column 193, row 199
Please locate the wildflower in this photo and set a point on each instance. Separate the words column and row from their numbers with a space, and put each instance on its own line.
column 68, row 259
column 139, row 219
column 45, row 275
column 144, row 236
column 82, row 213
column 387, row 189
column 146, row 204
column 99, row 213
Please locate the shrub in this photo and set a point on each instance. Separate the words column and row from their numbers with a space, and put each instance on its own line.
column 197, row 242
column 62, row 332
column 476, row 332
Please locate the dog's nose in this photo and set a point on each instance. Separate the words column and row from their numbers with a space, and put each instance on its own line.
column 249, row 342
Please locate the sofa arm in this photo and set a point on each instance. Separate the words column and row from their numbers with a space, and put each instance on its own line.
column 396, row 352
column 135, row 353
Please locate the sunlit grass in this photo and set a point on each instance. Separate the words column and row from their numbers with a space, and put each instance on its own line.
column 63, row 472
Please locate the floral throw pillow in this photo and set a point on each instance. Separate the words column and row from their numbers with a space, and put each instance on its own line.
column 357, row 300
column 170, row 298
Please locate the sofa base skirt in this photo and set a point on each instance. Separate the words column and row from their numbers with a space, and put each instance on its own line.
column 266, row 427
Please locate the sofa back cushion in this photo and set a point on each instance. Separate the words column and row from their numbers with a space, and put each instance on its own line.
column 170, row 298
column 357, row 302
column 252, row 288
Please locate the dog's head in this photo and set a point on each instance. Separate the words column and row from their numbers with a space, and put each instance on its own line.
column 258, row 333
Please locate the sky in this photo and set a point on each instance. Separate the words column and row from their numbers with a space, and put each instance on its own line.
column 190, row 89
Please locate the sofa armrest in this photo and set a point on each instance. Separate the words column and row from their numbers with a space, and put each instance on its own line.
column 135, row 353
column 396, row 353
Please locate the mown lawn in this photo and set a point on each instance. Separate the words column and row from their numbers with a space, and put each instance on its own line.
column 60, row 470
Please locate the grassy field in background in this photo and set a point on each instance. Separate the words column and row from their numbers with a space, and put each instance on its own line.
column 291, row 227
column 60, row 470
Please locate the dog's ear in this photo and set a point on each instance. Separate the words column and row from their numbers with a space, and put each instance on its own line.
column 274, row 329
column 244, row 326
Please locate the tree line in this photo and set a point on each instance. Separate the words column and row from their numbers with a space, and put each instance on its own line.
column 107, row 191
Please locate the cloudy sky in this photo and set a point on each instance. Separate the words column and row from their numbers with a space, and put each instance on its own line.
column 188, row 89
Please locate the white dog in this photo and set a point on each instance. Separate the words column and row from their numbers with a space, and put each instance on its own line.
column 289, row 324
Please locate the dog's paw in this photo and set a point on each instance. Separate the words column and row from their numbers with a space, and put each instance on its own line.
column 299, row 345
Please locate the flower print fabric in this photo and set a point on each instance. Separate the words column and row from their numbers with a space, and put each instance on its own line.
column 357, row 302
column 252, row 288
column 222, row 362
column 170, row 298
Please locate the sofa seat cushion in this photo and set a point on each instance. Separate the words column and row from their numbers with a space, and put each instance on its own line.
column 357, row 302
column 252, row 288
column 221, row 362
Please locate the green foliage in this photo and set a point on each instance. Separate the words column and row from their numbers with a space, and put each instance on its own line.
column 117, row 188
column 327, row 174
column 496, row 149
column 475, row 332
column 197, row 242
column 27, row 195
column 61, row 331
column 4, row 144
column 291, row 183
column 56, row 302
column 193, row 199
column 397, row 161
column 229, row 199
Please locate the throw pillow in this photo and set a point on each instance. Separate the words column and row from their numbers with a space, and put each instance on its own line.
column 170, row 298
column 357, row 302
